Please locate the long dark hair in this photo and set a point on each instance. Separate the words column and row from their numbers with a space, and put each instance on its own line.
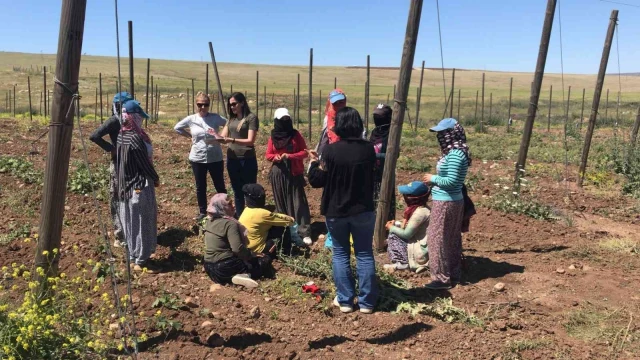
column 239, row 97
column 348, row 123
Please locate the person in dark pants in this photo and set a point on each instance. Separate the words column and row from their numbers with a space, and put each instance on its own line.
column 227, row 258
column 111, row 127
column 240, row 134
column 206, row 153
column 346, row 175
column 286, row 150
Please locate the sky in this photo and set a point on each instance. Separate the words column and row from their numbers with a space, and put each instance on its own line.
column 499, row 35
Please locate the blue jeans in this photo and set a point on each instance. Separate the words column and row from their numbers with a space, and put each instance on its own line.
column 361, row 228
column 241, row 172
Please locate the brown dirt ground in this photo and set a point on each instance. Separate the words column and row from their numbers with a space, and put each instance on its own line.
column 530, row 319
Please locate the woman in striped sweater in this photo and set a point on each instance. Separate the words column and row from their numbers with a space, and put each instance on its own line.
column 445, row 227
column 136, row 194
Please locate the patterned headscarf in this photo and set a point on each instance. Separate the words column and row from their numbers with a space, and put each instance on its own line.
column 454, row 139
column 133, row 122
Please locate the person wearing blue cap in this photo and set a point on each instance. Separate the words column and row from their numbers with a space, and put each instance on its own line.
column 136, row 194
column 407, row 243
column 447, row 211
column 347, row 203
column 111, row 127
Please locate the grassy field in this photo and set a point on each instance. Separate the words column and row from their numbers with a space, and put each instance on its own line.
column 174, row 80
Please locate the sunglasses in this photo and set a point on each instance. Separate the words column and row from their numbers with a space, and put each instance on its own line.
column 202, row 105
column 233, row 104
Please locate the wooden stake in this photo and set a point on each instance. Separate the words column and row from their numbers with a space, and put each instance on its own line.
column 131, row 83
column 509, row 112
column 482, row 112
column 475, row 116
column 193, row 96
column 44, row 76
column 596, row 95
column 100, row 86
column 206, row 80
column 14, row 101
column 418, row 100
column 459, row 93
column 453, row 82
column 215, row 71
column 395, row 131
column 273, row 95
column 582, row 111
column 490, row 106
column 157, row 104
column 295, row 105
column 335, row 82
column 298, row 102
column 535, row 90
column 60, row 134
column 366, row 94
column 310, row 91
column 550, row 102
column 29, row 90
column 153, row 95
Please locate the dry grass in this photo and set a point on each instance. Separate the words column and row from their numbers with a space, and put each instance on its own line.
column 621, row 245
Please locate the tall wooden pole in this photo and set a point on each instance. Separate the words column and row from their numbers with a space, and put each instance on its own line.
column 335, row 82
column 295, row 105
column 419, row 96
column 366, row 94
column 157, row 103
column 146, row 103
column 596, row 95
column 273, row 96
column 153, row 95
column 298, row 102
column 193, row 96
column 29, row 90
column 482, row 111
column 257, row 94
column 215, row 71
column 44, row 76
column 206, row 80
column 310, row 91
column 582, row 111
column 131, row 83
column 459, row 94
column 475, row 115
column 60, row 133
column 100, row 88
column 453, row 83
column 535, row 90
column 14, row 101
column 509, row 112
column 395, row 131
column 550, row 103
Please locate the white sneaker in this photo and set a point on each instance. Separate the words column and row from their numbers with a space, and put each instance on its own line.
column 389, row 266
column 307, row 241
column 343, row 308
column 366, row 310
column 400, row 266
column 244, row 280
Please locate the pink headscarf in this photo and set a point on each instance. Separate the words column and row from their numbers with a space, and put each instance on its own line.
column 219, row 207
column 133, row 122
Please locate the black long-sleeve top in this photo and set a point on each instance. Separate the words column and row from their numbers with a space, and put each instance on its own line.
column 133, row 165
column 110, row 127
column 347, row 178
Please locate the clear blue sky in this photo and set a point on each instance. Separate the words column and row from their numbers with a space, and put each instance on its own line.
column 488, row 34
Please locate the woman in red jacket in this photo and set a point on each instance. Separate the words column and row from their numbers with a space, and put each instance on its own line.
column 287, row 150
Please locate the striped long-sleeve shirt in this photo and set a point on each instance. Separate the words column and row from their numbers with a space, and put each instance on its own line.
column 452, row 170
column 133, row 164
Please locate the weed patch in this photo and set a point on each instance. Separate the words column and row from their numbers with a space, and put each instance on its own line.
column 620, row 245
column 20, row 168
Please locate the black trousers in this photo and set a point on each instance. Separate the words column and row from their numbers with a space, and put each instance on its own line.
column 216, row 171
column 223, row 271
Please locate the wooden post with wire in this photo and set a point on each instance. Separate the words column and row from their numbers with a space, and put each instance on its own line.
column 509, row 111
column 258, row 95
column 366, row 94
column 44, row 76
column 215, row 71
column 550, row 102
column 131, row 81
column 535, row 90
column 146, row 93
column 60, row 134
column 100, row 88
column 29, row 90
column 157, row 103
column 310, row 91
column 193, row 96
column 596, row 95
column 153, row 95
column 335, row 82
column 395, row 131
column 453, row 83
column 482, row 112
column 14, row 100
column 582, row 111
column 419, row 96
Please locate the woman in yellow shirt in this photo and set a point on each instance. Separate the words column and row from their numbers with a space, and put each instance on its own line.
column 267, row 231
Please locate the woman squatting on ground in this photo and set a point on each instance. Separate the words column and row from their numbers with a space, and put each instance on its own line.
column 286, row 150
column 206, row 153
column 346, row 174
column 447, row 212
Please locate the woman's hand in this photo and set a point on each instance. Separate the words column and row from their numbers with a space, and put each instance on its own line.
column 427, row 178
column 313, row 155
column 389, row 224
column 284, row 156
column 277, row 158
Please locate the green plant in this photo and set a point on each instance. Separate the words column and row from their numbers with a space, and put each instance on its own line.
column 441, row 309
column 515, row 204
column 166, row 325
column 15, row 232
column 626, row 161
column 20, row 168
column 80, row 181
column 167, row 300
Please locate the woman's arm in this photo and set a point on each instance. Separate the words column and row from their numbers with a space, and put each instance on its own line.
column 456, row 162
column 182, row 125
column 225, row 130
column 276, row 219
column 235, row 241
column 317, row 176
column 271, row 151
column 411, row 228
column 249, row 141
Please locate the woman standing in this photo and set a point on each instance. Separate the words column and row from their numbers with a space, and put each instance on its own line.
column 286, row 149
column 136, row 181
column 445, row 229
column 380, row 138
column 240, row 133
column 336, row 101
column 347, row 204
column 206, row 153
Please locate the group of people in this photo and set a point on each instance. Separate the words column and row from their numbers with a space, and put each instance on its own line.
column 242, row 237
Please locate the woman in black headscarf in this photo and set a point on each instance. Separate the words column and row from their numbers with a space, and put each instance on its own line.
column 286, row 149
column 379, row 138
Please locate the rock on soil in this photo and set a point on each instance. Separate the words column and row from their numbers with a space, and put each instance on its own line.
column 498, row 287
